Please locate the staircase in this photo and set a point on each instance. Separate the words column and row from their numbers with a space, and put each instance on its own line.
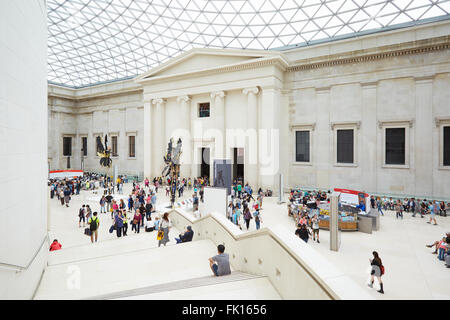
column 195, row 287
column 134, row 268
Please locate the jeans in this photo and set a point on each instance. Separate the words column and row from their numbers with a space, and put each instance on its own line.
column 380, row 211
column 125, row 228
column 399, row 214
column 136, row 227
column 257, row 225
column 441, row 254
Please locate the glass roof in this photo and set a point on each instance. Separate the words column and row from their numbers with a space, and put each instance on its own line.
column 95, row 41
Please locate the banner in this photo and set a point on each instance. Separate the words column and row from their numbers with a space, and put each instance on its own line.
column 61, row 174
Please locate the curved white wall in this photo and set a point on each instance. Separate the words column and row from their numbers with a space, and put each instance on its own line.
column 23, row 146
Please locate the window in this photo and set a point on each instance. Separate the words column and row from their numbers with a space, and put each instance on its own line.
column 131, row 146
column 67, row 146
column 344, row 146
column 203, row 110
column 446, row 146
column 84, row 145
column 114, row 146
column 302, row 146
column 395, row 146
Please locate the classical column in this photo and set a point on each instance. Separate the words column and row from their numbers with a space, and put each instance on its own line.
column 269, row 138
column 148, row 139
column 159, row 142
column 219, row 114
column 185, row 115
column 251, row 145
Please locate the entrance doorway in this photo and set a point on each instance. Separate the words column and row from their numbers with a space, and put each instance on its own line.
column 238, row 165
column 204, row 167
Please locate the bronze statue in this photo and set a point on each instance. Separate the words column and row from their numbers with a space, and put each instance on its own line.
column 104, row 152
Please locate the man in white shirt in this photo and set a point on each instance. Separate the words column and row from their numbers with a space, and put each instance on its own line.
column 149, row 225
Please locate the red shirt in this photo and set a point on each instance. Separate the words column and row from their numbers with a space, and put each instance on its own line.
column 55, row 246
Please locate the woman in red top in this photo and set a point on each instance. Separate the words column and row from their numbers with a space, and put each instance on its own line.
column 136, row 222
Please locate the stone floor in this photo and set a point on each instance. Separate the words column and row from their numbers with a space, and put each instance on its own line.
column 412, row 272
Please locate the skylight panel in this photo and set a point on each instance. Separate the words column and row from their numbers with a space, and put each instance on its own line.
column 128, row 37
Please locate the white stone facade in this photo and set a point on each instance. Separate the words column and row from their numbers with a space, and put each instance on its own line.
column 259, row 99
column 115, row 109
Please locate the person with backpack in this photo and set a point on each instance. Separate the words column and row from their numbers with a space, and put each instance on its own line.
column 94, row 224
column 247, row 217
column 81, row 215
column 376, row 271
column 118, row 222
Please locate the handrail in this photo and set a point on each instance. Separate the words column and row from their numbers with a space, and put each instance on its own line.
column 267, row 231
column 23, row 268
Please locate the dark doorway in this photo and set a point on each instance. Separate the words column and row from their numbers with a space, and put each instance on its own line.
column 204, row 167
column 238, row 165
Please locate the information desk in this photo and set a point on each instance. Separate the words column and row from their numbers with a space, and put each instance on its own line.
column 343, row 225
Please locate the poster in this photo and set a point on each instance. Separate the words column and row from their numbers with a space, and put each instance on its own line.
column 222, row 174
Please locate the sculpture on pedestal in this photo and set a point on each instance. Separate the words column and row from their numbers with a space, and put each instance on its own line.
column 104, row 152
column 172, row 161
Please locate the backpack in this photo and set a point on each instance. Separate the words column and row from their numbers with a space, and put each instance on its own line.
column 94, row 224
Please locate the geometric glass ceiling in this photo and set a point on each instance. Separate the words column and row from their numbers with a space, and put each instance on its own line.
column 94, row 41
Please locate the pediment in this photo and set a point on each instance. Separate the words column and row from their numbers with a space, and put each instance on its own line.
column 202, row 59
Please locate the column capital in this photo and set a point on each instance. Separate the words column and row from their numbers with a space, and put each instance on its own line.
column 184, row 98
column 158, row 101
column 220, row 94
column 253, row 90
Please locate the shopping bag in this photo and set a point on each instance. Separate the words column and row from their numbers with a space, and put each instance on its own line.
column 160, row 235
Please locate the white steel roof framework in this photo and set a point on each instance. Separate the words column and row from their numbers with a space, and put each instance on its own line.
column 95, row 41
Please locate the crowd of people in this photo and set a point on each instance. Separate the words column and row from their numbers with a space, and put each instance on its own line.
column 243, row 207
column 138, row 210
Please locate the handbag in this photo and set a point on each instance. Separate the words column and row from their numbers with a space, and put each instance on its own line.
column 160, row 235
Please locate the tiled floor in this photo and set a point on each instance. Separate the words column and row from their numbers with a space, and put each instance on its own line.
column 412, row 272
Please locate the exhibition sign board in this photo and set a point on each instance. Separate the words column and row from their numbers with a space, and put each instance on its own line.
column 354, row 197
column 222, row 174
column 61, row 174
